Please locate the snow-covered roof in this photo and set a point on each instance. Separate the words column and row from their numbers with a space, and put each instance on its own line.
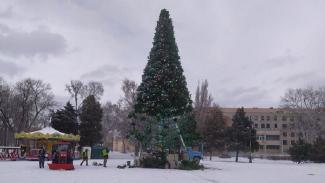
column 48, row 133
column 48, row 130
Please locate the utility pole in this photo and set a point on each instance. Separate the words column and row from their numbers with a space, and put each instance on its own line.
column 250, row 144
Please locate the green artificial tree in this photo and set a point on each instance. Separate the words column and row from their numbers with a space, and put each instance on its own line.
column 163, row 92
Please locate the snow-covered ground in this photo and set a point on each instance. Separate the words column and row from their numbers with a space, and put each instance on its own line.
column 218, row 171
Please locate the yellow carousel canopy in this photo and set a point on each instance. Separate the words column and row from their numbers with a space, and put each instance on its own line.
column 47, row 133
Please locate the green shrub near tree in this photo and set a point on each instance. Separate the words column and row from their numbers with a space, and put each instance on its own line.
column 317, row 153
column 302, row 151
column 190, row 165
column 157, row 160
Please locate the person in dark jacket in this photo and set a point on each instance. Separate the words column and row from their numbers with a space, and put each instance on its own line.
column 41, row 157
column 70, row 156
column 55, row 157
column 84, row 157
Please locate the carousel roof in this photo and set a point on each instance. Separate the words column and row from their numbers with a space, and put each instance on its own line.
column 47, row 133
column 48, row 130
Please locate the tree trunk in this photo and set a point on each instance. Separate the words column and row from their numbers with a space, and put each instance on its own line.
column 211, row 155
column 76, row 102
column 5, row 142
column 136, row 149
column 237, row 152
column 124, row 148
column 140, row 150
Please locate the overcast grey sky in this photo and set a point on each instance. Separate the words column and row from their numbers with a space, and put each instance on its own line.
column 250, row 51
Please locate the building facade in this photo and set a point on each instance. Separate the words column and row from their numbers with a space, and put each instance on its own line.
column 275, row 129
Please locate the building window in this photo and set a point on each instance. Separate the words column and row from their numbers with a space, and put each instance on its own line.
column 267, row 125
column 292, row 134
column 285, row 142
column 268, row 118
column 256, row 118
column 273, row 147
column 275, row 118
column 284, row 134
column 292, row 125
column 256, row 125
column 284, row 118
column 284, row 125
column 275, row 125
column 261, row 147
column 292, row 142
column 262, row 118
column 291, row 118
column 272, row 137
column 262, row 125
column 260, row 137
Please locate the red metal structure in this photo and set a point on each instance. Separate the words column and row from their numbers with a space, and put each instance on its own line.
column 9, row 153
column 62, row 157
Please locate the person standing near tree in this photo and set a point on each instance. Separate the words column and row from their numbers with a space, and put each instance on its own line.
column 84, row 157
column 41, row 157
column 105, row 152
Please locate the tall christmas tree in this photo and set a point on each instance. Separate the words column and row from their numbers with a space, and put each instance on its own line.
column 90, row 126
column 163, row 92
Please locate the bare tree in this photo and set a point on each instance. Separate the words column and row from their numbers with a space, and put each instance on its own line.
column 25, row 106
column 213, row 132
column 129, row 88
column 93, row 88
column 116, row 122
column 203, row 101
column 35, row 99
column 79, row 91
column 76, row 90
column 202, row 97
column 111, row 119
column 308, row 108
column 209, row 118
column 5, row 112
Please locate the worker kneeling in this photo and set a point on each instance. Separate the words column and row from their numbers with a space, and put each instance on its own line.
column 105, row 152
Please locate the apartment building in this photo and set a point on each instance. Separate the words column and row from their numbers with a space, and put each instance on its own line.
column 275, row 129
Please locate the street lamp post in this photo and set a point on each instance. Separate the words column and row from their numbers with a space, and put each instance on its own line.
column 250, row 144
